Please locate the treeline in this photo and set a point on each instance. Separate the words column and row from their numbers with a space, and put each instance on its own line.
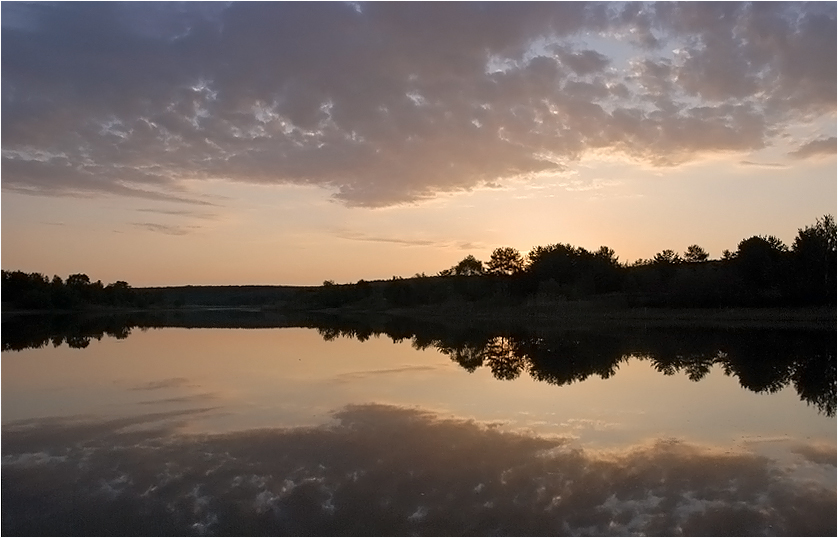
column 37, row 292
column 762, row 271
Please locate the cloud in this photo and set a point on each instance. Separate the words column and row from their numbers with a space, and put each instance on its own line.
column 822, row 455
column 168, row 229
column 384, row 104
column 47, row 178
column 355, row 376
column 173, row 382
column 359, row 236
column 763, row 165
column 468, row 245
column 191, row 398
column 180, row 213
column 822, row 147
column 44, row 434
column 583, row 62
column 410, row 242
column 587, row 185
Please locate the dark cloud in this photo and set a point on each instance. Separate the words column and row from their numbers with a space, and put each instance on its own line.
column 822, row 147
column 45, row 434
column 393, row 471
column 391, row 103
column 584, row 62
column 43, row 177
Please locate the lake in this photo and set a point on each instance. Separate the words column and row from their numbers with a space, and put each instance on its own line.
column 242, row 424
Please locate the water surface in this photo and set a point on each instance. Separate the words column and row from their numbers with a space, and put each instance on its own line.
column 350, row 429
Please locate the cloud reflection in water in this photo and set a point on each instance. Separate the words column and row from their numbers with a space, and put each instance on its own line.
column 389, row 470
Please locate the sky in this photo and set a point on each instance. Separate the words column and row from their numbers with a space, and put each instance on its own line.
column 291, row 143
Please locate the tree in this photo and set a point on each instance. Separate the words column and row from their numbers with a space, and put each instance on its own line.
column 666, row 263
column 761, row 261
column 469, row 266
column 814, row 256
column 505, row 261
column 26, row 290
column 666, row 257
column 604, row 267
column 399, row 292
column 557, row 262
column 118, row 292
column 78, row 280
column 819, row 238
column 576, row 270
column 607, row 255
column 695, row 254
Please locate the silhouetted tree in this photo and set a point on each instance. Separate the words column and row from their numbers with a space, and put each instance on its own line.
column 556, row 262
column 505, row 261
column 36, row 291
column 118, row 293
column 61, row 296
column 605, row 269
column 26, row 290
column 814, row 255
column 761, row 264
column 399, row 292
column 695, row 254
column 469, row 266
column 607, row 255
column 666, row 257
column 666, row 262
column 78, row 280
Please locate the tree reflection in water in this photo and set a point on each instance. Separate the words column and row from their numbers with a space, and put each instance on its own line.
column 763, row 360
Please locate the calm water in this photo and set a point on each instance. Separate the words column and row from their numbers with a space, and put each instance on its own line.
column 112, row 428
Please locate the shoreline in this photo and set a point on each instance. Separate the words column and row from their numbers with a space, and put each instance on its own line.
column 534, row 314
column 576, row 315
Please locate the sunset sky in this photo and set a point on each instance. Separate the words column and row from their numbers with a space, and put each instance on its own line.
column 290, row 143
